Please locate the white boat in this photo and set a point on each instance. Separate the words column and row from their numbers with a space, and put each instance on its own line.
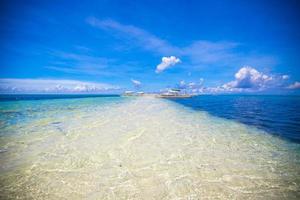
column 173, row 93
column 128, row 93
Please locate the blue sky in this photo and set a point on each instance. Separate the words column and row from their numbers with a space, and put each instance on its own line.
column 112, row 46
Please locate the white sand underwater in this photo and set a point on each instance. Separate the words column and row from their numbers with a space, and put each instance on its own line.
column 145, row 148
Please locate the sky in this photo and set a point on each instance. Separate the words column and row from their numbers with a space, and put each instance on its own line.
column 103, row 46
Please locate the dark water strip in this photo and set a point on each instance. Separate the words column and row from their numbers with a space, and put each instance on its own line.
column 278, row 115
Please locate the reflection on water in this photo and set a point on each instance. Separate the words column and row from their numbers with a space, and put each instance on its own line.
column 140, row 148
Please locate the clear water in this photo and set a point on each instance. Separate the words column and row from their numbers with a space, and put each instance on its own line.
column 138, row 148
column 278, row 115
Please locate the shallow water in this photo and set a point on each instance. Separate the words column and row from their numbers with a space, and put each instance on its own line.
column 139, row 148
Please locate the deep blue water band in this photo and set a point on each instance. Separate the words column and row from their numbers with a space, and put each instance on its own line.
column 278, row 115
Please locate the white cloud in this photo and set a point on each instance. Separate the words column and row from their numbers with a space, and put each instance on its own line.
column 191, row 85
column 81, row 63
column 182, row 83
column 207, row 52
column 201, row 81
column 136, row 83
column 167, row 62
column 199, row 52
column 295, row 85
column 248, row 77
column 139, row 36
column 52, row 86
column 285, row 77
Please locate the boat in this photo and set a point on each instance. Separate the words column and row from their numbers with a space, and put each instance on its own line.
column 174, row 96
column 128, row 93
column 173, row 93
column 140, row 93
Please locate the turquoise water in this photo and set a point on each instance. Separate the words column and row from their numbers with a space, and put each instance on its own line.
column 138, row 148
column 18, row 110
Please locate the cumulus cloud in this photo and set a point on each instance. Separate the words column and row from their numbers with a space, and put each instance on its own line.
column 136, row 83
column 248, row 77
column 52, row 86
column 295, row 85
column 167, row 62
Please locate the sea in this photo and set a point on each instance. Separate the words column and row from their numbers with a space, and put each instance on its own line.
column 113, row 147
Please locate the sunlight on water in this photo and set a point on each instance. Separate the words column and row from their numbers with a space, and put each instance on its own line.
column 143, row 148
